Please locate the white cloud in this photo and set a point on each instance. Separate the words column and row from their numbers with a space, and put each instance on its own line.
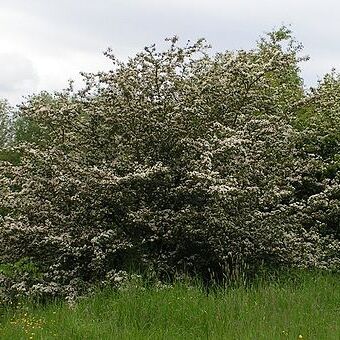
column 17, row 76
column 63, row 37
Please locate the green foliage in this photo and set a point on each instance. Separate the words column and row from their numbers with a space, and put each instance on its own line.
column 20, row 268
column 318, row 121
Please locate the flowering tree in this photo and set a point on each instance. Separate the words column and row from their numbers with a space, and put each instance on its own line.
column 319, row 144
column 177, row 161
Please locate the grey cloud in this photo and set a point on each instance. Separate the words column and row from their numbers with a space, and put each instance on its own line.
column 17, row 76
column 63, row 28
column 95, row 24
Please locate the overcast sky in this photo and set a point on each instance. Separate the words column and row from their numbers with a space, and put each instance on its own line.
column 43, row 43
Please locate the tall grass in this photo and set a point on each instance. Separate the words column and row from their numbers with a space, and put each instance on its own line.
column 304, row 306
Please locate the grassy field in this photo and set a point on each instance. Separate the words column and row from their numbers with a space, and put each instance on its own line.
column 306, row 307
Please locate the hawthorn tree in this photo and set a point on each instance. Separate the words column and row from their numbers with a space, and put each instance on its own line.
column 177, row 161
column 318, row 122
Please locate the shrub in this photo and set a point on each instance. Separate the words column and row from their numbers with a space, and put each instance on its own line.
column 177, row 161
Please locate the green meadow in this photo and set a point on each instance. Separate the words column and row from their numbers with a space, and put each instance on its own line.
column 300, row 306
